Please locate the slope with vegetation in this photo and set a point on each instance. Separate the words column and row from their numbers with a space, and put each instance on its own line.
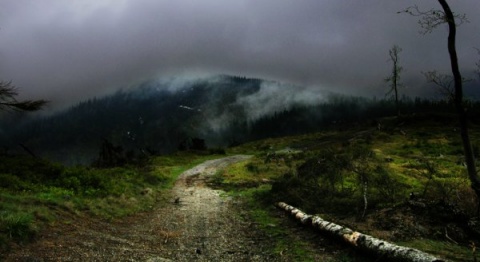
column 400, row 179
column 35, row 193
column 157, row 118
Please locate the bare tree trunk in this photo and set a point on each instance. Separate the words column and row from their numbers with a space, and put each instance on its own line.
column 395, row 80
column 395, row 77
column 365, row 201
column 462, row 115
column 383, row 249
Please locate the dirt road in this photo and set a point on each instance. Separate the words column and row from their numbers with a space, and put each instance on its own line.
column 198, row 225
column 208, row 225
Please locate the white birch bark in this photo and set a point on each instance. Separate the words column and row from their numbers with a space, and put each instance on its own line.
column 385, row 250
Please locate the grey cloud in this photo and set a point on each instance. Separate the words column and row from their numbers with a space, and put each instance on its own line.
column 66, row 51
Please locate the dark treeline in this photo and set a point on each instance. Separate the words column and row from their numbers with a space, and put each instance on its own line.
column 342, row 111
column 153, row 119
column 150, row 118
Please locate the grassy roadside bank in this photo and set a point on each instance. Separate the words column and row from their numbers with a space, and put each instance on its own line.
column 418, row 194
column 35, row 193
column 249, row 182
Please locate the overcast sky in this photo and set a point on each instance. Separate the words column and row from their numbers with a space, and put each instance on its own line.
column 70, row 50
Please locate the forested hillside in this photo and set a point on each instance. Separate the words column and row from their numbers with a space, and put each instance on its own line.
column 158, row 117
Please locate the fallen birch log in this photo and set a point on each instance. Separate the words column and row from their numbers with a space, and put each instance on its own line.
column 383, row 249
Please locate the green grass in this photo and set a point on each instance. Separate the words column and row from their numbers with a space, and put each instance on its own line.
column 258, row 201
column 250, row 173
column 17, row 225
column 418, row 154
column 260, row 211
column 34, row 192
column 295, row 169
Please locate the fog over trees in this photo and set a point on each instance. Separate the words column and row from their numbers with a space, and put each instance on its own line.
column 223, row 111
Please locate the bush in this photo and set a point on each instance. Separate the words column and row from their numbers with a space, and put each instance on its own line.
column 54, row 194
column 217, row 151
column 252, row 168
column 30, row 169
column 17, row 226
column 154, row 179
column 334, row 180
column 388, row 189
column 9, row 181
column 82, row 180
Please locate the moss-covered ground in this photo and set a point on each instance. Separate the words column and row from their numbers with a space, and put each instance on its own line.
column 405, row 161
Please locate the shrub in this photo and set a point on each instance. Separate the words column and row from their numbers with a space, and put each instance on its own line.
column 154, row 179
column 9, row 181
column 217, row 151
column 253, row 168
column 55, row 195
column 335, row 179
column 389, row 189
column 30, row 169
column 18, row 226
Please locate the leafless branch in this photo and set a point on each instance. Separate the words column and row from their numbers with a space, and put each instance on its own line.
column 28, row 105
column 431, row 19
column 443, row 82
column 8, row 92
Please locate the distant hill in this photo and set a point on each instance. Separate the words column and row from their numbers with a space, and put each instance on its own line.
column 152, row 115
column 161, row 117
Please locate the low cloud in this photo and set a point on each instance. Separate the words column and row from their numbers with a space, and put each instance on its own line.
column 276, row 97
column 67, row 51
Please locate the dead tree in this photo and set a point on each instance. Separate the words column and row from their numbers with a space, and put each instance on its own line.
column 429, row 20
column 394, row 78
